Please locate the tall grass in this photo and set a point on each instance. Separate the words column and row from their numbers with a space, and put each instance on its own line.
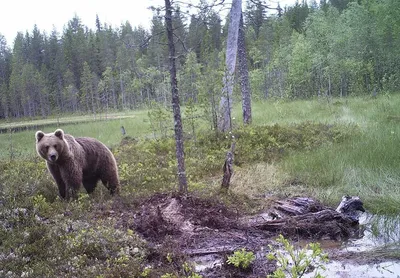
column 365, row 165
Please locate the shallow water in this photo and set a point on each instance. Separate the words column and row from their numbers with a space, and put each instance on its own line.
column 348, row 270
column 372, row 253
column 373, row 250
column 376, row 231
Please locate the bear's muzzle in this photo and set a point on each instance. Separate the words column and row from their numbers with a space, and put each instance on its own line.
column 53, row 157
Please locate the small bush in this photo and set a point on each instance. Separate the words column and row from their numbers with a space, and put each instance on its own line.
column 241, row 258
column 295, row 263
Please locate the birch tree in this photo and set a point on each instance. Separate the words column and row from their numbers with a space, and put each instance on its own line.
column 244, row 74
column 225, row 106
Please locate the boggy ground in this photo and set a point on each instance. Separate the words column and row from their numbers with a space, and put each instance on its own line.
column 205, row 231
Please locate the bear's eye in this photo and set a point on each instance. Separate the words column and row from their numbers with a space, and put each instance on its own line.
column 55, row 146
column 47, row 147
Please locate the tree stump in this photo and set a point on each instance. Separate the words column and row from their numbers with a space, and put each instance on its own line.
column 228, row 168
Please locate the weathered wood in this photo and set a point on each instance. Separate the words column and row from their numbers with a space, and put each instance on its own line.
column 225, row 105
column 349, row 206
column 308, row 218
column 244, row 74
column 228, row 167
column 123, row 131
column 296, row 206
column 211, row 250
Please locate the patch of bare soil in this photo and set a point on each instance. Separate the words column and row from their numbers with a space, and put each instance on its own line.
column 205, row 231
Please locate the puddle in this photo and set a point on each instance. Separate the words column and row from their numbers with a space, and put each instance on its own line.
column 376, row 232
column 372, row 253
column 206, row 262
column 345, row 270
column 374, row 250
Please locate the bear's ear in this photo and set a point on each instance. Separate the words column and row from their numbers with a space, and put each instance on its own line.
column 39, row 135
column 59, row 133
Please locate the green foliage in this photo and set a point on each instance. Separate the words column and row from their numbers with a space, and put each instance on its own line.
column 295, row 263
column 24, row 178
column 267, row 143
column 186, row 269
column 338, row 48
column 160, row 120
column 147, row 164
column 74, row 246
column 41, row 205
column 241, row 258
column 319, row 145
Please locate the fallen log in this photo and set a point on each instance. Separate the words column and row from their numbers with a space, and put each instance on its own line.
column 306, row 218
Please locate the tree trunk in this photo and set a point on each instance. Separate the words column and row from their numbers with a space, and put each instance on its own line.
column 121, row 84
column 228, row 168
column 175, row 100
column 244, row 75
column 225, row 106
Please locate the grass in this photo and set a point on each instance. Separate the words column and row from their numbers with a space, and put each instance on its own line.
column 318, row 148
column 22, row 144
column 365, row 165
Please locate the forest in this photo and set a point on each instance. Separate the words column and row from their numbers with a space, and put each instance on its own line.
column 331, row 48
column 254, row 200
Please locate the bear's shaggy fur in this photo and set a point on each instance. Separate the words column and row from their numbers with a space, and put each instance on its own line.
column 75, row 161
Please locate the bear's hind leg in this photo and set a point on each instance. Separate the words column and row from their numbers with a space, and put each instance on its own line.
column 112, row 184
column 90, row 184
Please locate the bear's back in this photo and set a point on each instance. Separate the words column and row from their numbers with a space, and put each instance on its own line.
column 97, row 156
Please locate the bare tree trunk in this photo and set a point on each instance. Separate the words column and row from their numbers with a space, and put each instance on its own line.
column 175, row 100
column 121, row 84
column 244, row 75
column 225, row 106
column 114, row 95
column 214, row 115
column 329, row 85
column 341, row 85
column 228, row 168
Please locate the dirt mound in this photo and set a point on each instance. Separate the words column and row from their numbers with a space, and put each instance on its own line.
column 206, row 231
column 165, row 214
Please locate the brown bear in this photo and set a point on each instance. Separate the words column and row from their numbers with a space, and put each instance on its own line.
column 75, row 161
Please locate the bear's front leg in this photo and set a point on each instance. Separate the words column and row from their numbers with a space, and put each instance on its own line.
column 55, row 172
column 72, row 177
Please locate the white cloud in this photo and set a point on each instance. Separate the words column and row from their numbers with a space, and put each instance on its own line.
column 22, row 15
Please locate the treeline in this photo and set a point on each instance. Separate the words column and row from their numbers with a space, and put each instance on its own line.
column 333, row 48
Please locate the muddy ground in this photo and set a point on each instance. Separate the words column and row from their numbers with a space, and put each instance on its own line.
column 205, row 232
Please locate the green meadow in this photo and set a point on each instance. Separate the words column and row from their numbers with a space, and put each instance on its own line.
column 365, row 163
column 321, row 148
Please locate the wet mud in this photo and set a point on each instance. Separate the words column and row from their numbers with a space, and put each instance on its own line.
column 204, row 232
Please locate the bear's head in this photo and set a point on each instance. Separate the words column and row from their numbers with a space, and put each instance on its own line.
column 51, row 146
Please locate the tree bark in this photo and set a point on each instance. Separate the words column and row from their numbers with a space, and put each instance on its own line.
column 225, row 107
column 244, row 74
column 175, row 100
column 228, row 168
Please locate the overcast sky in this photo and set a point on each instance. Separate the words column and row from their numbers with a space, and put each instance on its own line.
column 21, row 15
